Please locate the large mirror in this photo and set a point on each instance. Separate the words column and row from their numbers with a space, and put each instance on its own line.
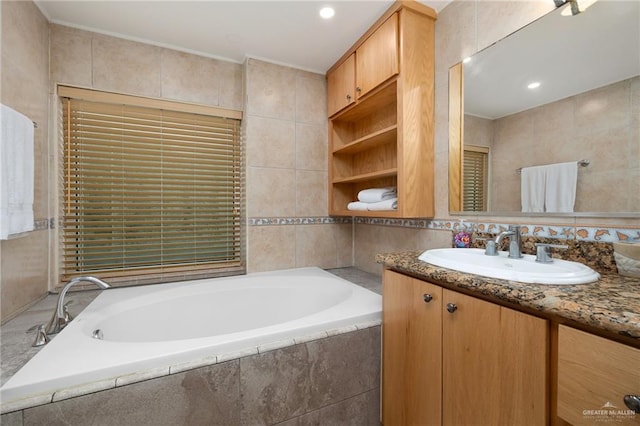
column 560, row 90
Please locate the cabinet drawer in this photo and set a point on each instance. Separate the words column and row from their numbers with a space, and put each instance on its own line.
column 594, row 375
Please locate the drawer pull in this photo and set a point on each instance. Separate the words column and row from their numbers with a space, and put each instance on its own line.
column 452, row 307
column 632, row 402
column 427, row 297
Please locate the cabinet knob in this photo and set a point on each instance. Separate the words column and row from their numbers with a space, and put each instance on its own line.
column 452, row 307
column 427, row 297
column 358, row 89
column 632, row 402
column 348, row 98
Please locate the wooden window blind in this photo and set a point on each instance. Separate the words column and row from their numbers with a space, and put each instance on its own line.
column 475, row 169
column 150, row 191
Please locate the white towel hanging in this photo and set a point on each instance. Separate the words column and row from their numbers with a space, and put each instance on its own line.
column 560, row 189
column 16, row 173
column 532, row 189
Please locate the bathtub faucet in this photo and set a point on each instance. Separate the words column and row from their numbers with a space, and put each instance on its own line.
column 61, row 317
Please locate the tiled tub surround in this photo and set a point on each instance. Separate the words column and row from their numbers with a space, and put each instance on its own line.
column 610, row 306
column 333, row 375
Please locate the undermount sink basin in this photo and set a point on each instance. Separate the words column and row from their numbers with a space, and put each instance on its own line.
column 526, row 269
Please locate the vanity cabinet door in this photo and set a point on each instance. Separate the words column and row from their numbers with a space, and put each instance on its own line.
column 377, row 58
column 594, row 375
column 411, row 356
column 341, row 83
column 452, row 359
column 495, row 363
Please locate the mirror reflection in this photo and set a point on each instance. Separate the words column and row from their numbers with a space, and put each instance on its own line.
column 561, row 90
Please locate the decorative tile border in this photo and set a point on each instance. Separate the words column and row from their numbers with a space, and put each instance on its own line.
column 562, row 232
column 313, row 220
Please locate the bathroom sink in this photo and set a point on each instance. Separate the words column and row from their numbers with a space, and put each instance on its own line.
column 526, row 269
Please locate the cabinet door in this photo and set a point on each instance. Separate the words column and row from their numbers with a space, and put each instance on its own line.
column 494, row 364
column 411, row 356
column 377, row 57
column 341, row 83
column 594, row 375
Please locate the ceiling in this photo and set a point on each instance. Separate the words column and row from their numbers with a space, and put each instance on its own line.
column 567, row 55
column 286, row 32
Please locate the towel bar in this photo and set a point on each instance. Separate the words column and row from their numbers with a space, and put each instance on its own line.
column 583, row 163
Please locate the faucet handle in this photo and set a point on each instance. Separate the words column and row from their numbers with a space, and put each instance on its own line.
column 490, row 248
column 543, row 251
column 41, row 336
column 67, row 315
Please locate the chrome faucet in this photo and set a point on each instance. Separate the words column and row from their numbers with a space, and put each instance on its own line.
column 61, row 316
column 515, row 241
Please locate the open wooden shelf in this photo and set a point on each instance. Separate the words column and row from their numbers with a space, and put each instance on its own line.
column 380, row 137
column 367, row 176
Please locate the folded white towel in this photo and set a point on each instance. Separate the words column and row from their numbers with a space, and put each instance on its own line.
column 532, row 188
column 374, row 195
column 16, row 173
column 391, row 204
column 357, row 205
column 560, row 194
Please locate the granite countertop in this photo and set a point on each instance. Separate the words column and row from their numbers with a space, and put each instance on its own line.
column 609, row 306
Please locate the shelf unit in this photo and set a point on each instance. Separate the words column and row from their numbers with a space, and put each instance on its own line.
column 385, row 136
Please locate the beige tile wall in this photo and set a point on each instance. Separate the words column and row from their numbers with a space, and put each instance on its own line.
column 286, row 126
column 285, row 129
column 286, row 135
column 594, row 126
column 24, row 262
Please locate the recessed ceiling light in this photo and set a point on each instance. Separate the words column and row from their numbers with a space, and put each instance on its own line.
column 534, row 85
column 327, row 12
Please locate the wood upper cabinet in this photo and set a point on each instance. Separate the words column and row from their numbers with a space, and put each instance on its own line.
column 594, row 376
column 374, row 62
column 341, row 86
column 377, row 58
column 452, row 359
column 380, row 106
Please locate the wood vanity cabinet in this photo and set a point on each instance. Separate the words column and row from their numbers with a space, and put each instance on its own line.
column 380, row 104
column 452, row 359
column 594, row 375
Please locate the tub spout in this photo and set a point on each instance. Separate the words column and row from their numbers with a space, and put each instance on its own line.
column 61, row 316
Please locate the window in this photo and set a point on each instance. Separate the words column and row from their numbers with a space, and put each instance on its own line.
column 149, row 190
column 475, row 165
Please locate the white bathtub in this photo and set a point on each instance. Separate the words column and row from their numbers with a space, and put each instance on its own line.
column 157, row 330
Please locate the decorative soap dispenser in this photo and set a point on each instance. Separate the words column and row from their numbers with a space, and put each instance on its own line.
column 462, row 239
